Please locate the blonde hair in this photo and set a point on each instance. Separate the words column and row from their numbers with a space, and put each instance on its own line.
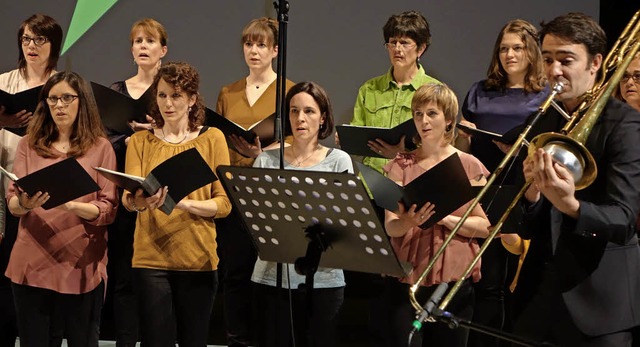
column 444, row 98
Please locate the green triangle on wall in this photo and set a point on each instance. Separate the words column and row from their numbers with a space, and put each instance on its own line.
column 85, row 15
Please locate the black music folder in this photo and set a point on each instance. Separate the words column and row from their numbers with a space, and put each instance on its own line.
column 445, row 185
column 14, row 103
column 65, row 180
column 264, row 128
column 182, row 173
column 117, row 110
column 354, row 138
column 496, row 201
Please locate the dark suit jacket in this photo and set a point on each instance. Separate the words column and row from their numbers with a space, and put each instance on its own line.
column 596, row 258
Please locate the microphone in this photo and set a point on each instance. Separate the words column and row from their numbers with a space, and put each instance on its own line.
column 428, row 307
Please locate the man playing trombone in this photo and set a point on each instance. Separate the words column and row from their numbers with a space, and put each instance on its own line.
column 583, row 265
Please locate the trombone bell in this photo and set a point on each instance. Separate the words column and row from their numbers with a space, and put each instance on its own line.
column 569, row 153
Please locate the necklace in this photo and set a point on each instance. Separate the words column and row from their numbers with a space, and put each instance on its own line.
column 298, row 161
column 174, row 143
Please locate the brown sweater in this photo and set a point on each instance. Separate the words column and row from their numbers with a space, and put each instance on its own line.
column 233, row 104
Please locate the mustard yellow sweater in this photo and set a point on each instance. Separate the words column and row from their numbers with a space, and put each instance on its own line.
column 181, row 240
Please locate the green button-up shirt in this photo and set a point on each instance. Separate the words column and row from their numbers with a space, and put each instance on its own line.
column 382, row 103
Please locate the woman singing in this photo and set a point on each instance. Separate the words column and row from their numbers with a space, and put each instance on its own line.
column 514, row 88
column 148, row 45
column 58, row 263
column 246, row 101
column 174, row 256
column 435, row 108
column 311, row 120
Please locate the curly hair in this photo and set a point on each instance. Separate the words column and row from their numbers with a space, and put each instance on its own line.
column 183, row 78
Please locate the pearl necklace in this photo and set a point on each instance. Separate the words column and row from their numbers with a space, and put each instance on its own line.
column 174, row 143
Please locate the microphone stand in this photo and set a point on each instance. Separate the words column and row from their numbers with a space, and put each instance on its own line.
column 432, row 313
column 282, row 9
column 454, row 322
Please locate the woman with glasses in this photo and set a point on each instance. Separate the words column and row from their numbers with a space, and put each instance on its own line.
column 514, row 88
column 175, row 260
column 148, row 40
column 39, row 41
column 629, row 88
column 385, row 101
column 58, row 264
column 246, row 101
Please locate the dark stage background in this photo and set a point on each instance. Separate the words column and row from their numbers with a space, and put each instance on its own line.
column 337, row 43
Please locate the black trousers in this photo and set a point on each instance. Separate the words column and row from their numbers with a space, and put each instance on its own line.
column 237, row 259
column 125, row 305
column 8, row 322
column 312, row 327
column 400, row 314
column 45, row 316
column 489, row 292
column 175, row 306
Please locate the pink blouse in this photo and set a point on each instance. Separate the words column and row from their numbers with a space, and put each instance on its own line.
column 418, row 246
column 56, row 249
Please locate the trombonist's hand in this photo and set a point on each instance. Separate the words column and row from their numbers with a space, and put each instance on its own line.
column 533, row 193
column 17, row 120
column 554, row 181
column 249, row 150
column 387, row 150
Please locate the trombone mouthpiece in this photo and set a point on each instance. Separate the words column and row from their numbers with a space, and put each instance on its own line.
column 558, row 87
column 555, row 89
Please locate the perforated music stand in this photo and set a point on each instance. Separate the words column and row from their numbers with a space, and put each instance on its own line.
column 279, row 206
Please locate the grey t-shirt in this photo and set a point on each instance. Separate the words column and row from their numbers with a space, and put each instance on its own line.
column 264, row 272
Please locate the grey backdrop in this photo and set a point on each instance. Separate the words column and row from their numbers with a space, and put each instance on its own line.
column 337, row 43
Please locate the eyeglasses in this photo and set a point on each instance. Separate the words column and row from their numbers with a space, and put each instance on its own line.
column 65, row 98
column 626, row 76
column 38, row 40
column 404, row 45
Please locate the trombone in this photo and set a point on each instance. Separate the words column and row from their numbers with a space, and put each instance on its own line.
column 566, row 147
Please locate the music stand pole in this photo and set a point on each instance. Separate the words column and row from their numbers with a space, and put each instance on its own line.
column 282, row 9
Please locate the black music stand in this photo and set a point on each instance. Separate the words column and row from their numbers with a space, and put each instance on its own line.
column 284, row 210
column 311, row 219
